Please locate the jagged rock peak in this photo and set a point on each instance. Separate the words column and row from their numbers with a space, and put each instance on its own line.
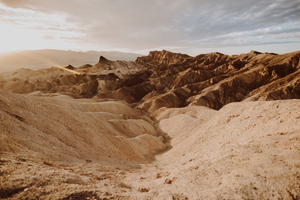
column 70, row 67
column 86, row 66
column 255, row 52
column 215, row 53
column 103, row 59
column 163, row 57
column 166, row 54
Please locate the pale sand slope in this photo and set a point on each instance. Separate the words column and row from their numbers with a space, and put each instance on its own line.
column 86, row 105
column 59, row 133
column 246, row 150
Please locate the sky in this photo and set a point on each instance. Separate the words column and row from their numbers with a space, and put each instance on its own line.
column 139, row 26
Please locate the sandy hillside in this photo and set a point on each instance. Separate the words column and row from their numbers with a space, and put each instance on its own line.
column 91, row 150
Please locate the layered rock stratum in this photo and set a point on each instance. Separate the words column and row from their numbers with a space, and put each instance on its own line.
column 166, row 126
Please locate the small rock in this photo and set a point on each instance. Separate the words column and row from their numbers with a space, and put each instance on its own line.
column 124, row 185
column 48, row 163
column 22, row 159
column 74, row 179
column 143, row 189
column 168, row 181
column 35, row 178
column 158, row 176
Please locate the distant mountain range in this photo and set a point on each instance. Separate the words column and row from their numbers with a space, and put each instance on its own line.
column 40, row 59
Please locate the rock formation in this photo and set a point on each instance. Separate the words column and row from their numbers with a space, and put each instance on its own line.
column 212, row 80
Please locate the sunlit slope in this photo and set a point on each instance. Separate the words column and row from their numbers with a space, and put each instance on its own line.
column 102, row 132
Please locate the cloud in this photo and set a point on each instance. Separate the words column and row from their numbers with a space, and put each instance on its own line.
column 141, row 24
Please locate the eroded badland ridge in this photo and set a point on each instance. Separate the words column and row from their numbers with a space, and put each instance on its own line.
column 212, row 80
column 166, row 126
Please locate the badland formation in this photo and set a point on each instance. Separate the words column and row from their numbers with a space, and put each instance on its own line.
column 165, row 126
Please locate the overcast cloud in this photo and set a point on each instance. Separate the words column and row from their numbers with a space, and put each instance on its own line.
column 137, row 25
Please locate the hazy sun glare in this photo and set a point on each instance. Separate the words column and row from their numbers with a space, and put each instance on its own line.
column 23, row 29
column 17, row 38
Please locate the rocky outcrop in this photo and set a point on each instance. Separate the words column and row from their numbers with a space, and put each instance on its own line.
column 162, row 58
column 172, row 99
column 121, row 68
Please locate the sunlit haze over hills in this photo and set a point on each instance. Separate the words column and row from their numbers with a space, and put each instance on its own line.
column 191, row 27
column 41, row 59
